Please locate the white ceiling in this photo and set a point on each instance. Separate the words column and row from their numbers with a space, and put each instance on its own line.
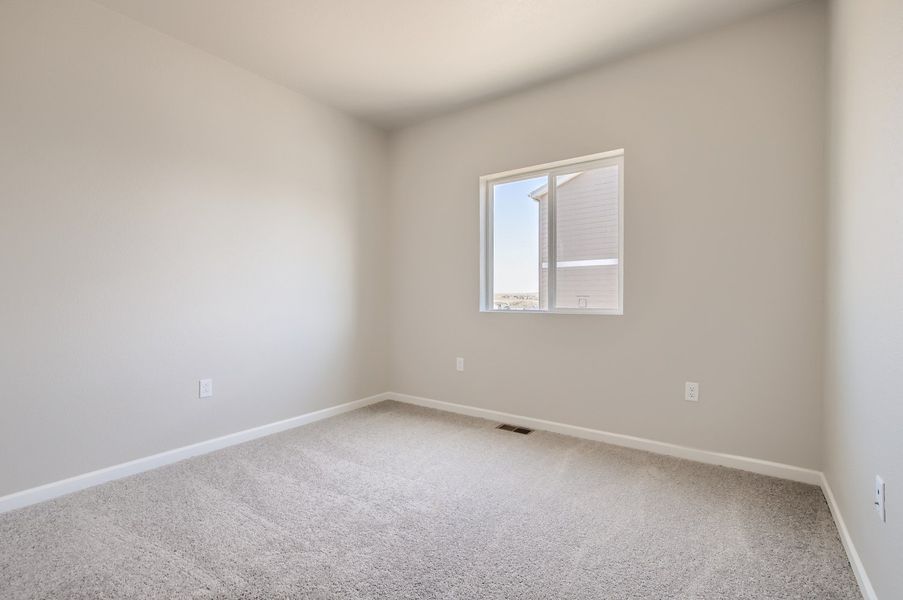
column 396, row 61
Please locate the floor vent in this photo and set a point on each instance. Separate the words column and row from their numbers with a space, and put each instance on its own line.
column 515, row 428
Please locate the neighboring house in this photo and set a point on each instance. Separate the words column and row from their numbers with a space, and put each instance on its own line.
column 588, row 249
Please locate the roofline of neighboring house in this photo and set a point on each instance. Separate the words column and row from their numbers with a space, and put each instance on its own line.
column 544, row 189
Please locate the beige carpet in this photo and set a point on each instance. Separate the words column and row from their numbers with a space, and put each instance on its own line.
column 394, row 501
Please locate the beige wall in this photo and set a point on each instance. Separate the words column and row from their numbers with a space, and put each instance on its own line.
column 864, row 399
column 167, row 217
column 724, row 137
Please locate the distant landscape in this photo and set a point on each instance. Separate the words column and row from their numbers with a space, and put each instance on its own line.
column 517, row 301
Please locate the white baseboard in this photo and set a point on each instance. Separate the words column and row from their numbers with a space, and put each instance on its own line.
column 86, row 480
column 865, row 585
column 754, row 465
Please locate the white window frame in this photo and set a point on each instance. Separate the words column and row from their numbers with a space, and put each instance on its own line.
column 549, row 170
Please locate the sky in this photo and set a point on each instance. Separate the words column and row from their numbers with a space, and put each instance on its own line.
column 516, row 236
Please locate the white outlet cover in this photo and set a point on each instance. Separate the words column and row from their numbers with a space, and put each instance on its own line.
column 459, row 363
column 691, row 391
column 205, row 388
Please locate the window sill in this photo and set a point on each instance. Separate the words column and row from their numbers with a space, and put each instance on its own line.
column 561, row 311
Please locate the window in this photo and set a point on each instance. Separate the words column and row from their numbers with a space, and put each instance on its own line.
column 567, row 215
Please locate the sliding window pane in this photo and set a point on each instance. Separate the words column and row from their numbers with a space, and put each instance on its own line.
column 588, row 248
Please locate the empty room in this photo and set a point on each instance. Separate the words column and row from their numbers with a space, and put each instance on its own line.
column 473, row 299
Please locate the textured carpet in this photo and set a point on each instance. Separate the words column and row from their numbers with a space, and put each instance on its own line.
column 395, row 501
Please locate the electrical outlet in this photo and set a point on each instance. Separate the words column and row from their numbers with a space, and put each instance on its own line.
column 691, row 391
column 879, row 498
column 205, row 388
column 459, row 364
